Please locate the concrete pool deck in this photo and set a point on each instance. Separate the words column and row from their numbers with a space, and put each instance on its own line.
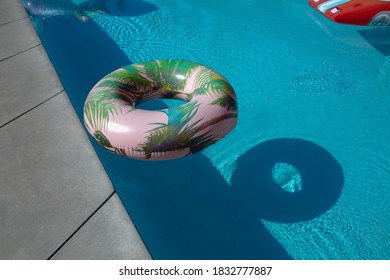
column 56, row 201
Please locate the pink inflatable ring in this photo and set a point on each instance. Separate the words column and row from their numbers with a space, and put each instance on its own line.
column 111, row 115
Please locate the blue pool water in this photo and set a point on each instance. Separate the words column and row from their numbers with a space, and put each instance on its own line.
column 306, row 172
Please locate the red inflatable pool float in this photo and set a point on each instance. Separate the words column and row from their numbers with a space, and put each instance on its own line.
column 357, row 12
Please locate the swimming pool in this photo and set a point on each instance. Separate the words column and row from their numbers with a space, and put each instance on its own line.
column 306, row 172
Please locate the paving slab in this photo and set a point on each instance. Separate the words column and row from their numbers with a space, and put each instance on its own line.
column 16, row 37
column 11, row 10
column 108, row 235
column 26, row 80
column 51, row 180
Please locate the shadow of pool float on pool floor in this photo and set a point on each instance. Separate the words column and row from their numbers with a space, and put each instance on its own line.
column 321, row 179
column 184, row 209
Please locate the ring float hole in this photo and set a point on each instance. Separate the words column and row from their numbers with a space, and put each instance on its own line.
column 159, row 104
column 287, row 177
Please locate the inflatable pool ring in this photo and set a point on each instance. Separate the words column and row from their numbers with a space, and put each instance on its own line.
column 111, row 115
